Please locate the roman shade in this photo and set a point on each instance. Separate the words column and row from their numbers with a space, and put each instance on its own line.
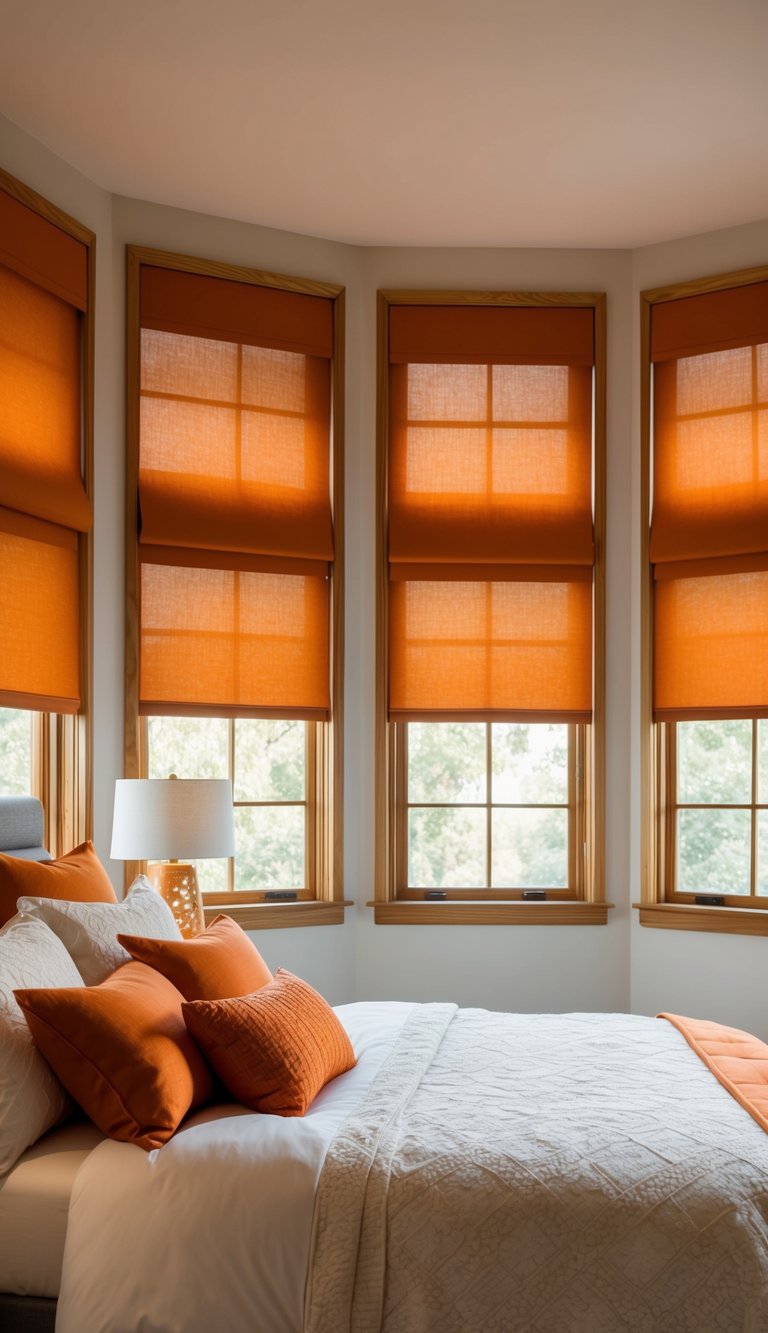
column 709, row 530
column 236, row 534
column 43, row 290
column 490, row 512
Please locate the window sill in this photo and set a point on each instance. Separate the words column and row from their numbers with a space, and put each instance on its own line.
column 278, row 916
column 721, row 920
column 463, row 913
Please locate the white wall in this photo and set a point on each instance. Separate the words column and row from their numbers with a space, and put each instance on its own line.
column 527, row 968
column 724, row 977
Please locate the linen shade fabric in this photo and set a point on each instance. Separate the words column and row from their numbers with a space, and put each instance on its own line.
column 490, row 524
column 43, row 294
column 709, row 528
column 236, row 534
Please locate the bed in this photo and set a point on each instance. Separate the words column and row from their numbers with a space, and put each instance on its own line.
column 473, row 1172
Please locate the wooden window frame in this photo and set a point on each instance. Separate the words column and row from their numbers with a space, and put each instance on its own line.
column 62, row 744
column 325, row 747
column 495, row 907
column 660, row 906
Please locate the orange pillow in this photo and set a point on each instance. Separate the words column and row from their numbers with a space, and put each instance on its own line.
column 121, row 1049
column 218, row 963
column 78, row 877
column 274, row 1050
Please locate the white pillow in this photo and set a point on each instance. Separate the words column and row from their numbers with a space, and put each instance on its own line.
column 89, row 930
column 31, row 1098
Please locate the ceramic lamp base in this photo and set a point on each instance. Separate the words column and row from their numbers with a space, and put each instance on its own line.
column 176, row 882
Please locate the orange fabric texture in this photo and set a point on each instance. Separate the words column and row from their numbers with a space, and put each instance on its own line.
column 78, row 877
column 227, row 643
column 217, row 964
column 235, row 445
column 276, row 1049
column 737, row 1059
column 121, row 1049
column 489, row 488
column 711, row 646
column 40, row 394
column 39, row 615
column 714, row 321
column 709, row 531
column 466, row 334
column 197, row 306
column 42, row 252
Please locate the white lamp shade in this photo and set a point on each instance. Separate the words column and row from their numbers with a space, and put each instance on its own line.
column 180, row 819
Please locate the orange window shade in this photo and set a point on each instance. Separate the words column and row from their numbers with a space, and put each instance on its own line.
column 39, row 621
column 711, row 645
column 40, row 469
column 710, row 481
column 40, row 251
column 513, row 649
column 490, row 512
column 709, row 530
column 233, row 642
column 491, row 463
column 234, row 447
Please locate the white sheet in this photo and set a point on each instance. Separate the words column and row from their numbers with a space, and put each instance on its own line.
column 213, row 1230
column 34, row 1199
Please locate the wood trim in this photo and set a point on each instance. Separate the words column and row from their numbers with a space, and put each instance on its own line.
column 717, row 920
column 384, row 738
column 649, row 739
column 212, row 268
column 26, row 195
column 594, row 888
column 278, row 916
column 332, row 883
column 490, row 913
column 399, row 297
column 700, row 286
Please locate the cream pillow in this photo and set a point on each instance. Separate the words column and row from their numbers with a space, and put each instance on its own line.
column 89, row 930
column 32, row 1099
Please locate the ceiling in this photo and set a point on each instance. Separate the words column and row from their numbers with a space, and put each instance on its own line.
column 436, row 122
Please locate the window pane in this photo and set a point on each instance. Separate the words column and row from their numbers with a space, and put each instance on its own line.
column 212, row 875
column 762, row 851
column 762, row 761
column 15, row 752
column 269, row 760
column 270, row 847
column 530, row 849
column 715, row 762
column 190, row 747
column 530, row 762
column 713, row 851
column 446, row 761
column 446, row 849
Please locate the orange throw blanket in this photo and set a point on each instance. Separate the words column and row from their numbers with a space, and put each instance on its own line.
column 737, row 1059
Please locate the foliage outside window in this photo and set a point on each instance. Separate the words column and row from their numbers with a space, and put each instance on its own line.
column 16, row 750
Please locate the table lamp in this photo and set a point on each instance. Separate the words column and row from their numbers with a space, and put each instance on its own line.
column 170, row 822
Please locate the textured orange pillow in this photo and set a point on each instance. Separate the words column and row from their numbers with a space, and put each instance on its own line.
column 276, row 1049
column 78, row 877
column 121, row 1049
column 215, row 965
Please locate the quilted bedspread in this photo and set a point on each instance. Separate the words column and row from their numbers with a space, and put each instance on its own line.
column 542, row 1174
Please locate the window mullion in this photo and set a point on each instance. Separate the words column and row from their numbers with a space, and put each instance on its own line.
column 753, row 829
column 488, row 805
column 231, row 771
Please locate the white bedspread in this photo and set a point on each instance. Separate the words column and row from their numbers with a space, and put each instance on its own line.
column 212, row 1231
column 542, row 1174
column 524, row 1197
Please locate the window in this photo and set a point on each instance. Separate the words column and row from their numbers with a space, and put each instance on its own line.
column 489, row 699
column 235, row 653
column 706, row 605
column 46, row 463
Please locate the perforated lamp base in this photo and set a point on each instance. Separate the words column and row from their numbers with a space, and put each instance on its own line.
column 176, row 882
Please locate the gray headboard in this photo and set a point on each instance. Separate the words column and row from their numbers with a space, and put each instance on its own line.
column 21, row 828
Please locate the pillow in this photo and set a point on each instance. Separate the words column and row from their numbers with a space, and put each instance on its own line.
column 122, row 1050
column 218, row 963
column 90, row 930
column 32, row 1099
column 274, row 1050
column 79, row 876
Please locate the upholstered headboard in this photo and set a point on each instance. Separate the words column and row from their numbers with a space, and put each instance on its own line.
column 21, row 827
